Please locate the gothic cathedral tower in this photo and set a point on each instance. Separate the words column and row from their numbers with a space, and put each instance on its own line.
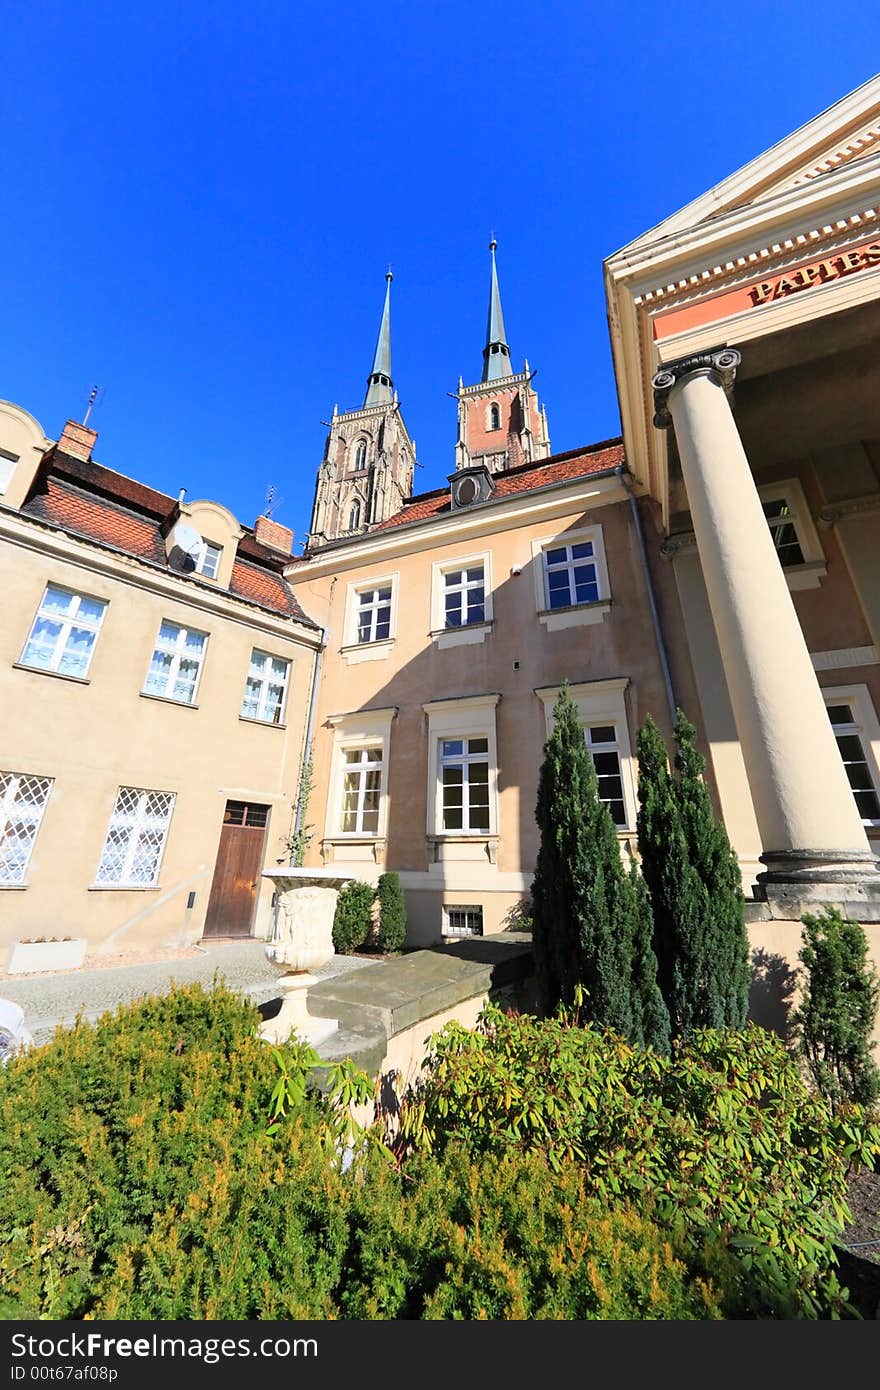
column 500, row 423
column 367, row 470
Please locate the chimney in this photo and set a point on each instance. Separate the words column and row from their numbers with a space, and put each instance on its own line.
column 268, row 532
column 77, row 440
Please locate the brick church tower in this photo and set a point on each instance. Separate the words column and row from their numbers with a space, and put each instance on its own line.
column 367, row 470
column 500, row 423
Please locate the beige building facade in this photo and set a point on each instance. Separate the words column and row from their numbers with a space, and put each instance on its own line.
column 155, row 680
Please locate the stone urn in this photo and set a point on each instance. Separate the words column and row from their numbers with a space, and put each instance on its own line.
column 301, row 941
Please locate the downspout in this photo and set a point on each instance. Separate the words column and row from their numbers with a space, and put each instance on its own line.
column 310, row 729
column 627, row 479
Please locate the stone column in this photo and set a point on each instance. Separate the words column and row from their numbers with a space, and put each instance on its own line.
column 815, row 847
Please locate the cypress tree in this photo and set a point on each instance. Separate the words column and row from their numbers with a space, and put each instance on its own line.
column 725, row 941
column 693, row 881
column 588, row 925
column 392, row 913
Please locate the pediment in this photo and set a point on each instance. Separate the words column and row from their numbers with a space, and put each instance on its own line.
column 848, row 132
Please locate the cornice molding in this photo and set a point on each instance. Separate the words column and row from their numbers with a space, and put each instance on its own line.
column 852, row 506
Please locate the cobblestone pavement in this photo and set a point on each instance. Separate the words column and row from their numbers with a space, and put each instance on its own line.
column 53, row 1000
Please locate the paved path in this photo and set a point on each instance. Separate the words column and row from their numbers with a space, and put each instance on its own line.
column 52, row 1000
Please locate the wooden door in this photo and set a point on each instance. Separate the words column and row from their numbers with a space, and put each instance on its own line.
column 233, row 899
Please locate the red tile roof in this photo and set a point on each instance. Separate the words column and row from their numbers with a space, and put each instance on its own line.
column 102, row 506
column 559, row 468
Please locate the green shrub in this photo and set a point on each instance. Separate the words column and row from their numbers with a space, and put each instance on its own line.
column 353, row 920
column 724, row 1137
column 392, row 913
column 835, row 1020
column 502, row 1238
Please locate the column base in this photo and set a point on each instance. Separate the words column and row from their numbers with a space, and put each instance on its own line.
column 294, row 1016
column 796, row 881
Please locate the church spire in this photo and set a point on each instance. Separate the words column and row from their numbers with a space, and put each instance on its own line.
column 496, row 353
column 379, row 385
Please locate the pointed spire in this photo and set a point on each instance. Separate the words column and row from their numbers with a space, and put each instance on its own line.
column 379, row 384
column 496, row 353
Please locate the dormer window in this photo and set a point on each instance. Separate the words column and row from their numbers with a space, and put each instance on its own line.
column 208, row 560
column 471, row 485
column 354, row 516
column 494, row 416
column 7, row 467
column 360, row 458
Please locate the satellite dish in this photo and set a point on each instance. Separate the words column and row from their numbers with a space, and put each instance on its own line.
column 185, row 545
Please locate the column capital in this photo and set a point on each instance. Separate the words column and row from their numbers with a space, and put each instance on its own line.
column 720, row 362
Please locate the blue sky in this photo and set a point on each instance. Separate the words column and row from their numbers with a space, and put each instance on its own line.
column 200, row 203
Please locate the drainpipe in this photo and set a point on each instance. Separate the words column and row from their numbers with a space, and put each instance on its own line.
column 310, row 728
column 627, row 479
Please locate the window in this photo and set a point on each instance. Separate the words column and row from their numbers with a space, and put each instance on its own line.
column 360, row 458
column 464, row 596
column 361, row 788
column 177, row 663
column 374, row 614
column 7, row 467
column 494, row 417
column 602, row 712
column 601, row 740
column 369, row 624
column 265, row 692
column 208, row 560
column 64, row 633
column 780, row 519
column 793, row 533
column 571, row 575
column 136, row 839
column 464, row 784
column 253, row 817
column 463, row 776
column 855, row 728
column 22, row 803
column 356, row 807
column 354, row 516
column 462, row 921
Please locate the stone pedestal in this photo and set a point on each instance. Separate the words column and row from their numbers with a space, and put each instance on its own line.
column 301, row 941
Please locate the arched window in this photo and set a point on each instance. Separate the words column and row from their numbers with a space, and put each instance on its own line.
column 360, row 458
column 494, row 417
column 354, row 516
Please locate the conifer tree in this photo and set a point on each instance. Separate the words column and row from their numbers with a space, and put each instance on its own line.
column 693, row 882
column 587, row 922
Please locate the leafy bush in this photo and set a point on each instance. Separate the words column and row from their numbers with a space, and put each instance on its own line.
column 723, row 1138
column 835, row 1020
column 354, row 916
column 498, row 1238
column 392, row 913
column 165, row 1164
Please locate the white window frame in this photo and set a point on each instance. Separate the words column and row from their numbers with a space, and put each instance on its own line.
column 352, row 732
column 810, row 574
column 470, row 717
column 8, row 813
column 354, row 651
column 474, row 908
column 259, row 717
column 465, row 760
column 358, row 764
column 139, row 822
column 866, row 727
column 472, row 632
column 68, row 621
column 602, row 702
column 8, row 463
column 202, row 567
column 179, row 652
column 574, row 615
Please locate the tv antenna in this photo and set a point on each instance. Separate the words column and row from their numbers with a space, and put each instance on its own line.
column 96, row 395
column 273, row 501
